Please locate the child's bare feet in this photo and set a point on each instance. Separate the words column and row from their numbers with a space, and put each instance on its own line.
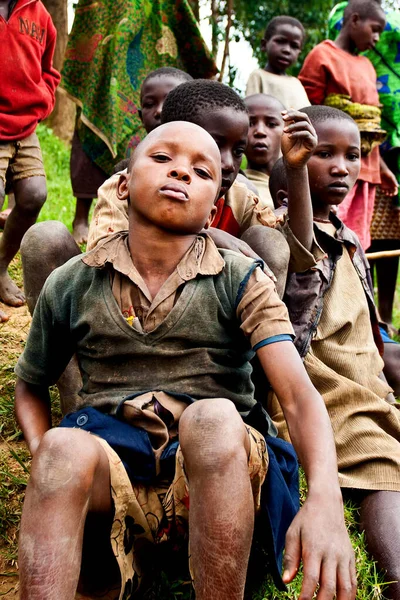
column 3, row 217
column 9, row 292
column 80, row 230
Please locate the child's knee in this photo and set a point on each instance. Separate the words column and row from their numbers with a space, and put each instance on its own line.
column 30, row 193
column 45, row 234
column 55, row 469
column 272, row 247
column 210, row 433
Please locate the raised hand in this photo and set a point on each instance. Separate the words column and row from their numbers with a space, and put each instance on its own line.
column 299, row 139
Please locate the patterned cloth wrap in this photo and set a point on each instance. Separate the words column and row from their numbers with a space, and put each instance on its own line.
column 112, row 47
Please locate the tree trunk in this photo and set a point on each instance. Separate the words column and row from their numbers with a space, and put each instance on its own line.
column 214, row 28
column 195, row 5
column 229, row 12
column 62, row 119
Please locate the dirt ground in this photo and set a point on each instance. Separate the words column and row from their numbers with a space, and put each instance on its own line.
column 12, row 337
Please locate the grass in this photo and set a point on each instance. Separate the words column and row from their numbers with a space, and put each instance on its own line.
column 14, row 458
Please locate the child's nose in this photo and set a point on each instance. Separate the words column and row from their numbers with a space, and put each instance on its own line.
column 340, row 167
column 180, row 173
column 260, row 132
column 227, row 165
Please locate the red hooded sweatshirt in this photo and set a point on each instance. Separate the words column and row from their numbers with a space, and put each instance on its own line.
column 28, row 78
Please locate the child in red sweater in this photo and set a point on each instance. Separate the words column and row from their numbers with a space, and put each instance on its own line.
column 26, row 97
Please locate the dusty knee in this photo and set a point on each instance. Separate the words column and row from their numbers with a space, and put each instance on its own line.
column 55, row 468
column 31, row 194
column 211, row 432
column 49, row 242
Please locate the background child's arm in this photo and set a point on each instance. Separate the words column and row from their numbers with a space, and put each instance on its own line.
column 32, row 411
column 318, row 534
column 298, row 143
column 389, row 184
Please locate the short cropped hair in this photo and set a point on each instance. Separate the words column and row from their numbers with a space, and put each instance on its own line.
column 266, row 97
column 366, row 9
column 282, row 20
column 319, row 113
column 168, row 72
column 194, row 100
column 278, row 179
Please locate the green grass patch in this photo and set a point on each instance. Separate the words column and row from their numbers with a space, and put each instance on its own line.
column 60, row 203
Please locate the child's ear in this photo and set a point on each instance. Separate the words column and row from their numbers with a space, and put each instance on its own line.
column 122, row 186
column 281, row 198
column 210, row 217
column 263, row 45
column 140, row 115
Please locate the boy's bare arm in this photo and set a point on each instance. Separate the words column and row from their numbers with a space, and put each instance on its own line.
column 318, row 534
column 298, row 143
column 32, row 411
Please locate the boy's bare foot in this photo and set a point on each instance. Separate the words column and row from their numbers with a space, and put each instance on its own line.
column 9, row 292
column 80, row 230
column 3, row 217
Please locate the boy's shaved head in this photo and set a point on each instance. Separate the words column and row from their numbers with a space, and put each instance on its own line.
column 174, row 180
column 282, row 20
column 192, row 101
column 267, row 99
column 208, row 145
column 366, row 9
column 320, row 114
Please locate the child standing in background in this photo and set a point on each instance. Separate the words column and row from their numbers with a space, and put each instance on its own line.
column 27, row 93
column 335, row 74
column 264, row 142
column 282, row 43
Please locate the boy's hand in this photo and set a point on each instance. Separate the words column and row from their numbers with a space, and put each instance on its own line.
column 299, row 139
column 318, row 536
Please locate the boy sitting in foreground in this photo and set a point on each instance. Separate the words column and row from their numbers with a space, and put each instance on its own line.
column 198, row 312
column 333, row 314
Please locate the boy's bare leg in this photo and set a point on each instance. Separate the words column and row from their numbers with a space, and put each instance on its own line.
column 30, row 195
column 215, row 447
column 380, row 519
column 271, row 246
column 44, row 247
column 60, row 493
column 391, row 370
column 80, row 225
column 5, row 213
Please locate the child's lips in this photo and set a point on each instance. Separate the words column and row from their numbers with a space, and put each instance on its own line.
column 283, row 61
column 260, row 147
column 175, row 191
column 339, row 186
